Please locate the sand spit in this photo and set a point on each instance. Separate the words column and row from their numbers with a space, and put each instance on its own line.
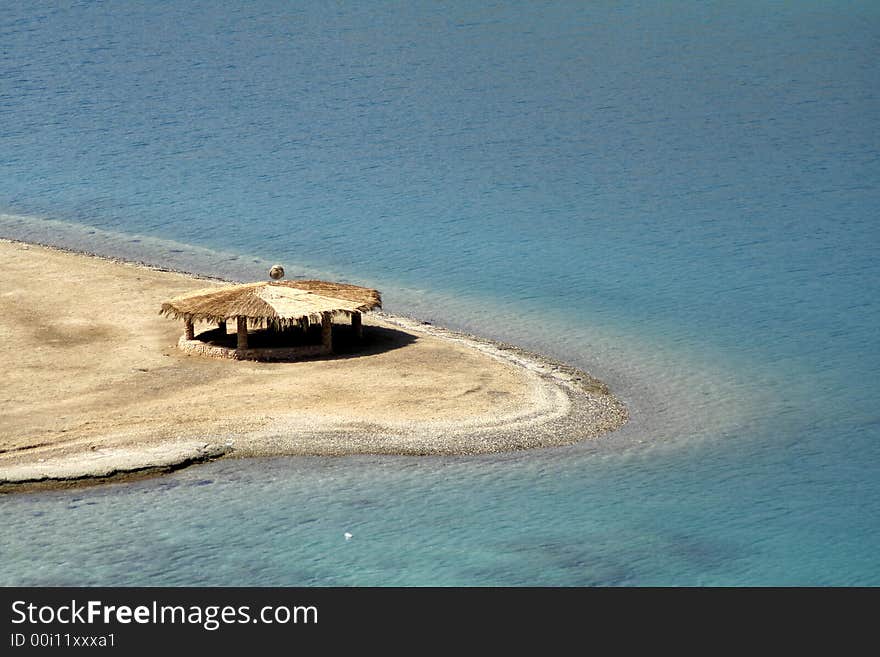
column 94, row 387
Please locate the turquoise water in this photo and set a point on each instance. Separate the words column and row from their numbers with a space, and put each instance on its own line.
column 680, row 197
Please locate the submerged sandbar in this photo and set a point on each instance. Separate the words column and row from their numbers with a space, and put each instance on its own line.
column 93, row 386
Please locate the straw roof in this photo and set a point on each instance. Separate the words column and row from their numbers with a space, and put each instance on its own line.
column 279, row 303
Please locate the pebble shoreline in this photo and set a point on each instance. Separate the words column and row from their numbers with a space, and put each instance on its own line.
column 569, row 406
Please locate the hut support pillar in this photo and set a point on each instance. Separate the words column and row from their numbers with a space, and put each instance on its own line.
column 188, row 329
column 242, row 333
column 222, row 327
column 357, row 326
column 327, row 332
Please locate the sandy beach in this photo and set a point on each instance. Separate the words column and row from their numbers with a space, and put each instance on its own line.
column 94, row 387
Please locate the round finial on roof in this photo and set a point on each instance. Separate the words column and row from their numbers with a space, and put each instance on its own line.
column 276, row 272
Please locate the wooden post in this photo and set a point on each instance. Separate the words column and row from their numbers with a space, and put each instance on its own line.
column 188, row 329
column 242, row 333
column 357, row 326
column 327, row 332
column 222, row 326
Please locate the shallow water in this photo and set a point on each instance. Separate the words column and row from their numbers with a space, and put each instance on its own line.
column 682, row 199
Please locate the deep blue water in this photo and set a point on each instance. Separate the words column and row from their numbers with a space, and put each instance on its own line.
column 681, row 197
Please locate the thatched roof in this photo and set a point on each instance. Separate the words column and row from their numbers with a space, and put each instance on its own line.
column 279, row 303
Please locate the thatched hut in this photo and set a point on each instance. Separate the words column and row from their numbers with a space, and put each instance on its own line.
column 277, row 305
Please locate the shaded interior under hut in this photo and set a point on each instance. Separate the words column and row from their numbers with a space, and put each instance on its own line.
column 271, row 320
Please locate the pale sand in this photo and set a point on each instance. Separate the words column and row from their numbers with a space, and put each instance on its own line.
column 93, row 385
